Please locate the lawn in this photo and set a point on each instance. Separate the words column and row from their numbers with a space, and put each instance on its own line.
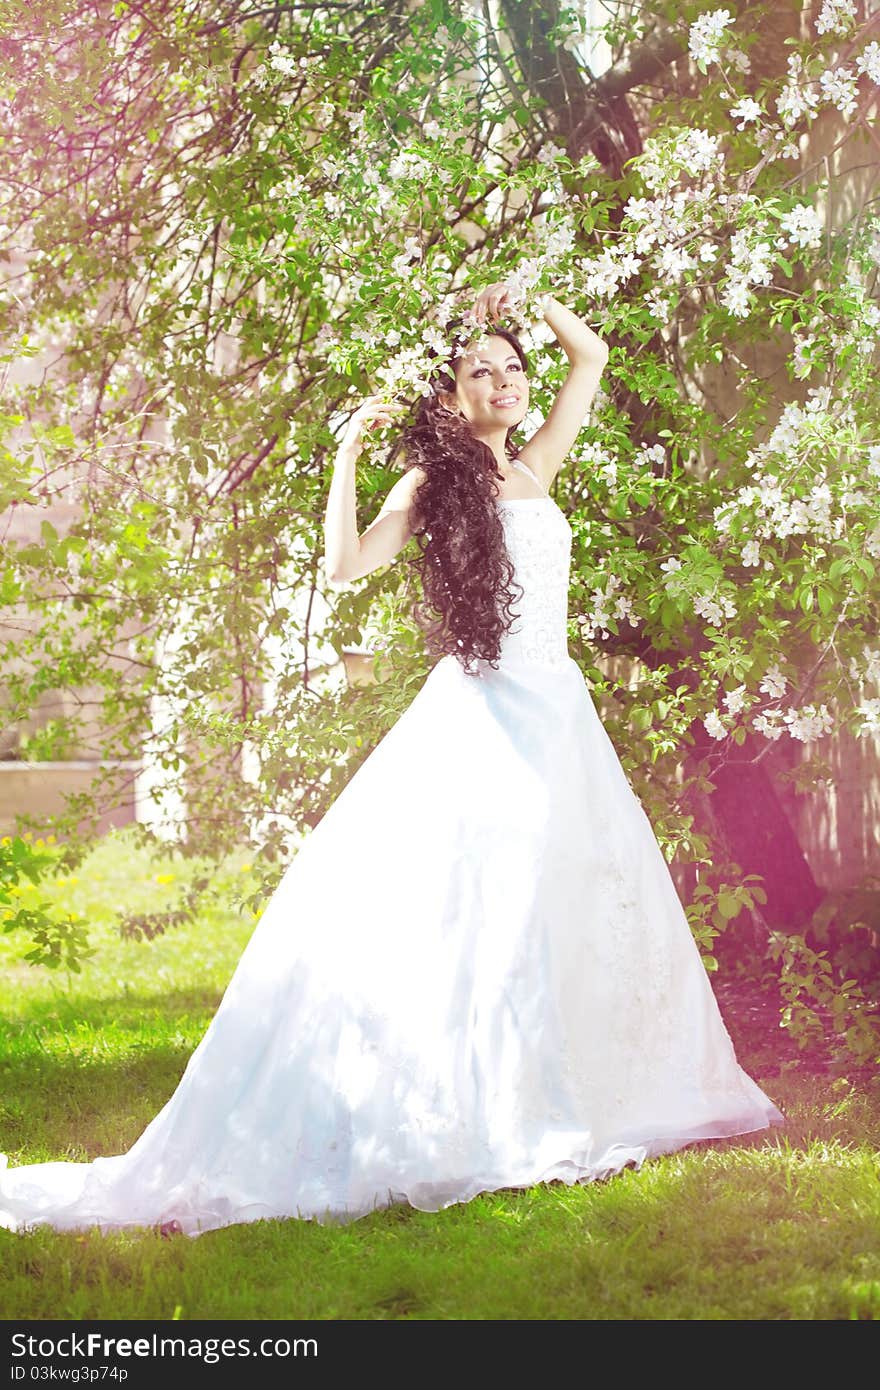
column 783, row 1224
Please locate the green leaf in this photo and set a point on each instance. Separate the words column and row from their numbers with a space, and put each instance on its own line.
column 826, row 598
column 728, row 906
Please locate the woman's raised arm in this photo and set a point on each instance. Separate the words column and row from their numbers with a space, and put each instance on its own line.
column 348, row 556
column 587, row 354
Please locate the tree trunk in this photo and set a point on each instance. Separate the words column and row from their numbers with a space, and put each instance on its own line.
column 759, row 835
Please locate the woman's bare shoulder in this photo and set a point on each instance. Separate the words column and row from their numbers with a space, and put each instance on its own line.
column 401, row 494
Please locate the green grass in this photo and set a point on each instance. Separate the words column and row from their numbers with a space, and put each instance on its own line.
column 784, row 1224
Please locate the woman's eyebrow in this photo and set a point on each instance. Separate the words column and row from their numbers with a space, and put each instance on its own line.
column 488, row 361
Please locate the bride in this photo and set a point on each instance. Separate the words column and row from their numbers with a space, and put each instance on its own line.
column 475, row 973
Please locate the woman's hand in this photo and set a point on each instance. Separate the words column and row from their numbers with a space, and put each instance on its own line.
column 492, row 302
column 372, row 413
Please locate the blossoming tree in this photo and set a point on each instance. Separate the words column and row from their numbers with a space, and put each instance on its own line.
column 225, row 225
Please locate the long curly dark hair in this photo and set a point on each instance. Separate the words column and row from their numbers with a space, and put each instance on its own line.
column 465, row 570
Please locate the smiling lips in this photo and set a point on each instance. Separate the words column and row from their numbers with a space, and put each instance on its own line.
column 505, row 401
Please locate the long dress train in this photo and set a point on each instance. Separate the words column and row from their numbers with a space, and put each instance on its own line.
column 475, row 974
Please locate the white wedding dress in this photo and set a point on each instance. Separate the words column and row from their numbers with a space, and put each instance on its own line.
column 475, row 974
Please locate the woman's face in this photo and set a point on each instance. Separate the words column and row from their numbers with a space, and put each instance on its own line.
column 491, row 387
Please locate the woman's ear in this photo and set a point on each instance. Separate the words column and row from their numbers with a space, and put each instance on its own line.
column 448, row 401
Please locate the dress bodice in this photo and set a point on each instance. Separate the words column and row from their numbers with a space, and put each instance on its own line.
column 538, row 538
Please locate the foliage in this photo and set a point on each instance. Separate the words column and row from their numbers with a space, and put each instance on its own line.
column 58, row 938
column 711, row 909
column 832, row 966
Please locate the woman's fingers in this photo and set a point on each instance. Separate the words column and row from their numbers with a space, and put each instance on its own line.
column 384, row 414
column 373, row 411
column 371, row 404
column 489, row 301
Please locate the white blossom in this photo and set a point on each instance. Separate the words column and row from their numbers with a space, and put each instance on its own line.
column 659, row 306
column 872, row 665
column 751, row 553
column 736, row 700
column 706, row 35
column 836, row 17
column 713, row 725
column 599, row 618
column 736, row 296
column 409, row 165
column 868, row 61
column 809, row 723
column 664, row 157
column 323, row 337
column 673, row 261
column 870, row 712
column 628, row 265
column 524, row 279
column 795, row 101
column 714, row 610
column 769, row 723
column 787, row 430
column 699, row 151
column 623, row 608
column 654, row 453
column 745, row 111
column 559, row 240
column 280, row 60
column 639, row 209
column 603, row 275
column 773, row 682
column 839, row 88
column 801, row 226
column 752, row 256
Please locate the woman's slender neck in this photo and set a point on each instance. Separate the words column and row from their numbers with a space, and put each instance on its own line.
column 497, row 442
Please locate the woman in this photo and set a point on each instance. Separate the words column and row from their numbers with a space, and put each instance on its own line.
column 475, row 973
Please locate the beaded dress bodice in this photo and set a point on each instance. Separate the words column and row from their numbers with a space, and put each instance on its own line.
column 538, row 538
